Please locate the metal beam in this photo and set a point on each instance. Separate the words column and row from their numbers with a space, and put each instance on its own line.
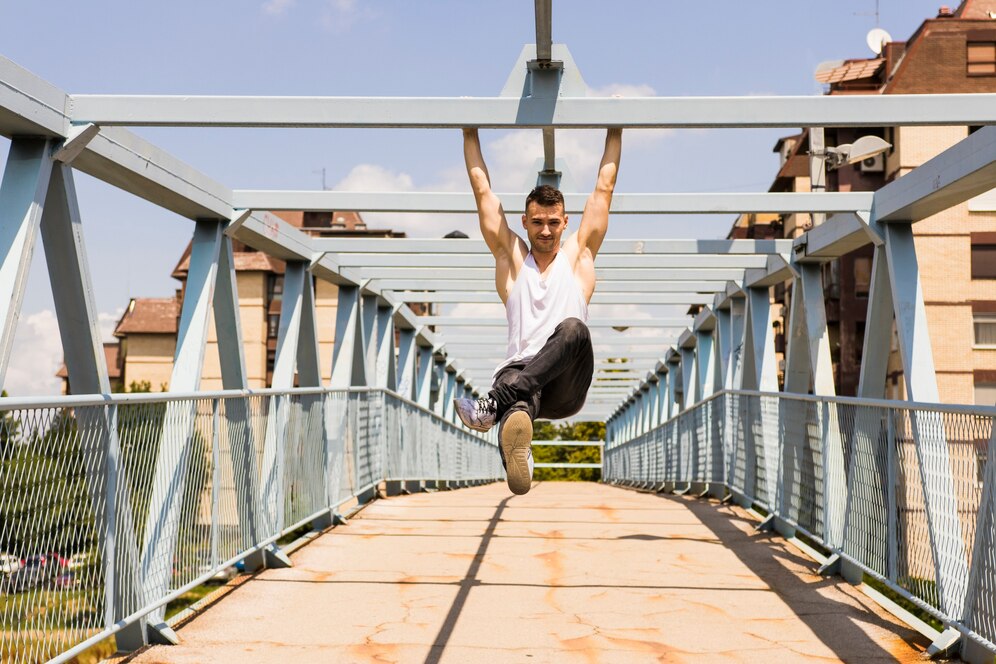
column 444, row 297
column 544, row 29
column 513, row 202
column 488, row 286
column 838, row 235
column 961, row 172
column 498, row 112
column 345, row 246
column 594, row 322
column 22, row 201
column 357, row 274
column 486, row 260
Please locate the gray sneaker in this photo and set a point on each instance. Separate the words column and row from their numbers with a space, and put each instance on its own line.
column 515, row 438
column 477, row 414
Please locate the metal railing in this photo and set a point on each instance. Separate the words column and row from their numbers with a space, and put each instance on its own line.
column 112, row 507
column 570, row 443
column 902, row 492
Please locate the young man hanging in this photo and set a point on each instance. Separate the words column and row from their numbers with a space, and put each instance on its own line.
column 546, row 287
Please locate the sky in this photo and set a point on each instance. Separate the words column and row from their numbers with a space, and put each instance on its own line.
column 394, row 48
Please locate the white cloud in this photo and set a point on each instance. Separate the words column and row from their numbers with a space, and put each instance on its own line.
column 623, row 90
column 37, row 353
column 371, row 177
column 107, row 323
column 35, row 357
column 277, row 7
column 340, row 15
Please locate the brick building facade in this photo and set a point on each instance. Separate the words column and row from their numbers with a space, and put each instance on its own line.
column 147, row 330
column 954, row 52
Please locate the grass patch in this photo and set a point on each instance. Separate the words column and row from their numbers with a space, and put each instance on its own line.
column 191, row 597
column 925, row 616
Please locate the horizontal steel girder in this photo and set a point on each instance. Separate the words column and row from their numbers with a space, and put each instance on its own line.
column 961, row 172
column 513, row 203
column 604, row 273
column 498, row 112
column 603, row 286
column 454, row 297
column 611, row 260
column 594, row 322
column 345, row 246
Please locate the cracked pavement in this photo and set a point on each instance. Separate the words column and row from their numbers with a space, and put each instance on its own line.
column 570, row 572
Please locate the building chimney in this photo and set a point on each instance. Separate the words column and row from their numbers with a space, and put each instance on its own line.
column 944, row 12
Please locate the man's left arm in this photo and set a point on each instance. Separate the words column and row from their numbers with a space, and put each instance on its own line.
column 595, row 220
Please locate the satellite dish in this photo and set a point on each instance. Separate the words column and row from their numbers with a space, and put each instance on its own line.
column 877, row 39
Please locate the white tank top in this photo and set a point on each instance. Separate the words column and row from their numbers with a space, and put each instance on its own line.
column 535, row 307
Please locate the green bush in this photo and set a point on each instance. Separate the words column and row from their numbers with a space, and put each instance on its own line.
column 580, row 431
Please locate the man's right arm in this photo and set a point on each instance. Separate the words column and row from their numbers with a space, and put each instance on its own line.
column 494, row 228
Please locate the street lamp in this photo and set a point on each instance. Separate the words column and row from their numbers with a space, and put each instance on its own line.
column 865, row 147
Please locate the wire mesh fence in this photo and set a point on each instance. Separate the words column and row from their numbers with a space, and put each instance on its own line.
column 109, row 508
column 906, row 492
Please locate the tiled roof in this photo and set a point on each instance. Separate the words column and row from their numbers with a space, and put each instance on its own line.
column 852, row 70
column 148, row 315
column 245, row 261
column 111, row 356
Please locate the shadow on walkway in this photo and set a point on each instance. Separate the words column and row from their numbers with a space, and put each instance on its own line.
column 766, row 557
column 469, row 581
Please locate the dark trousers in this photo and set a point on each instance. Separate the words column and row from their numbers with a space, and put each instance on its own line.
column 554, row 383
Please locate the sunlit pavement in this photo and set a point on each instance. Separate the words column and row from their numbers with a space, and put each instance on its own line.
column 570, row 572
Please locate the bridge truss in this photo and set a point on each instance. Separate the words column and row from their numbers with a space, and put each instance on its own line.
column 640, row 381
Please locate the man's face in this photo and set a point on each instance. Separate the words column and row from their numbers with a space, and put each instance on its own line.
column 544, row 225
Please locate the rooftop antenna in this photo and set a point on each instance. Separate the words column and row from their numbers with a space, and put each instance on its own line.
column 875, row 14
column 322, row 171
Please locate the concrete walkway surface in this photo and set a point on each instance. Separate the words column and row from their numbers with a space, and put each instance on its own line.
column 570, row 572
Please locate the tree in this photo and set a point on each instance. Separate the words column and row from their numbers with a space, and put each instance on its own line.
column 579, row 431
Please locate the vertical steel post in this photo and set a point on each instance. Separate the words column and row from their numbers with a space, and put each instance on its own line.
column 930, row 438
column 22, row 199
column 706, row 363
column 407, row 364
column 689, row 381
column 215, row 482
column 368, row 318
column 892, row 507
column 163, row 518
column 878, row 330
column 439, row 376
column 423, row 387
column 387, row 375
column 349, row 367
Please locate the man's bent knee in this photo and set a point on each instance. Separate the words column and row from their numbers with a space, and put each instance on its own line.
column 574, row 328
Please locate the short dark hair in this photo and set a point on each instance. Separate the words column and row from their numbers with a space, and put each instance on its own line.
column 545, row 196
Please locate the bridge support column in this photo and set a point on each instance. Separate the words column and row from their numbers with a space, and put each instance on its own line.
column 349, row 367
column 177, row 440
column 423, row 377
column 408, row 364
column 387, row 375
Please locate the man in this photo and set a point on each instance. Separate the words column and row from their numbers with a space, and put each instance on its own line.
column 546, row 288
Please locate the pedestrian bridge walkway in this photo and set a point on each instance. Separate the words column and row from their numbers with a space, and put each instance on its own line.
column 571, row 572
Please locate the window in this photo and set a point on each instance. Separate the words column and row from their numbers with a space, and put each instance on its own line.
column 275, row 287
column 985, row 394
column 981, row 58
column 984, row 255
column 985, row 330
column 272, row 326
column 862, row 275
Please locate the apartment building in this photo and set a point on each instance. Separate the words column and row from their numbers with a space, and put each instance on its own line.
column 146, row 332
column 953, row 52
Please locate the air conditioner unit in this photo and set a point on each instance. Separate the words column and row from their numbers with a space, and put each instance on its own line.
column 874, row 164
